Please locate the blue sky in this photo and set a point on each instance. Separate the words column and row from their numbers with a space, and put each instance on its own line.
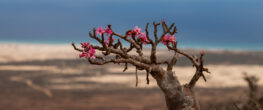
column 204, row 23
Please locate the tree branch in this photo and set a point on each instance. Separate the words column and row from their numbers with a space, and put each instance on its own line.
column 172, row 62
column 77, row 49
column 198, row 73
column 155, row 30
column 147, row 33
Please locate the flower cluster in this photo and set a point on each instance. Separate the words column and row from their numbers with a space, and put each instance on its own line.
column 143, row 38
column 167, row 39
column 88, row 51
column 108, row 32
column 108, row 40
column 137, row 33
column 100, row 31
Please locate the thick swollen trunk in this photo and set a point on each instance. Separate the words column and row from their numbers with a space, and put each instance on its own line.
column 177, row 97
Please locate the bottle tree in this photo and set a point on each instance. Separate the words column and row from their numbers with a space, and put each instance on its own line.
column 178, row 96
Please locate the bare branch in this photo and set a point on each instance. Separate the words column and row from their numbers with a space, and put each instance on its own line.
column 126, row 39
column 153, row 54
column 198, row 73
column 134, row 42
column 191, row 58
column 147, row 76
column 130, row 48
column 126, row 67
column 147, row 33
column 74, row 46
column 164, row 26
column 155, row 31
column 169, row 29
column 122, row 54
column 119, row 60
column 174, row 30
column 201, row 66
column 172, row 62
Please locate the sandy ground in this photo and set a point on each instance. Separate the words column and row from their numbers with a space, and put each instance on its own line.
column 51, row 77
column 221, row 76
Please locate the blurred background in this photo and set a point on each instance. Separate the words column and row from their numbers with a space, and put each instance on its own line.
column 40, row 70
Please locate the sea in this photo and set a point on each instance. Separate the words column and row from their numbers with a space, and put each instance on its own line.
column 202, row 24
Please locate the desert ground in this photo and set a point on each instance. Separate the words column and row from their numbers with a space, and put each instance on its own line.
column 52, row 77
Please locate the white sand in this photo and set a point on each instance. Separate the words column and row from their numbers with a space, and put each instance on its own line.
column 25, row 52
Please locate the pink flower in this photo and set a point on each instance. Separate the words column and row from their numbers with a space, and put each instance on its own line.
column 91, row 53
column 82, row 54
column 130, row 33
column 143, row 38
column 100, row 31
column 88, row 51
column 108, row 40
column 137, row 30
column 167, row 39
column 85, row 45
column 108, row 31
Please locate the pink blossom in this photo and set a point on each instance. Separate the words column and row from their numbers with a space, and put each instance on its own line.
column 108, row 31
column 91, row 53
column 82, row 54
column 137, row 30
column 108, row 40
column 143, row 38
column 167, row 39
column 85, row 45
column 130, row 33
column 100, row 31
column 88, row 51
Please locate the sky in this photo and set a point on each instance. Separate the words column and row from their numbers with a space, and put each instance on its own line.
column 201, row 23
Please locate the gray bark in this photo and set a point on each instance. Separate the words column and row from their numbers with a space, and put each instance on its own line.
column 177, row 97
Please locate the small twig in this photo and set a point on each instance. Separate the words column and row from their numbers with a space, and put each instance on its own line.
column 147, row 33
column 155, row 31
column 147, row 77
column 201, row 67
column 172, row 62
column 136, row 75
column 126, row 67
column 74, row 46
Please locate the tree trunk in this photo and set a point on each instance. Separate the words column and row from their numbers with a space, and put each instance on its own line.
column 177, row 97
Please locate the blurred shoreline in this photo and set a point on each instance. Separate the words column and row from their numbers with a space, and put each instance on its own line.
column 30, row 52
column 52, row 74
column 63, row 59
